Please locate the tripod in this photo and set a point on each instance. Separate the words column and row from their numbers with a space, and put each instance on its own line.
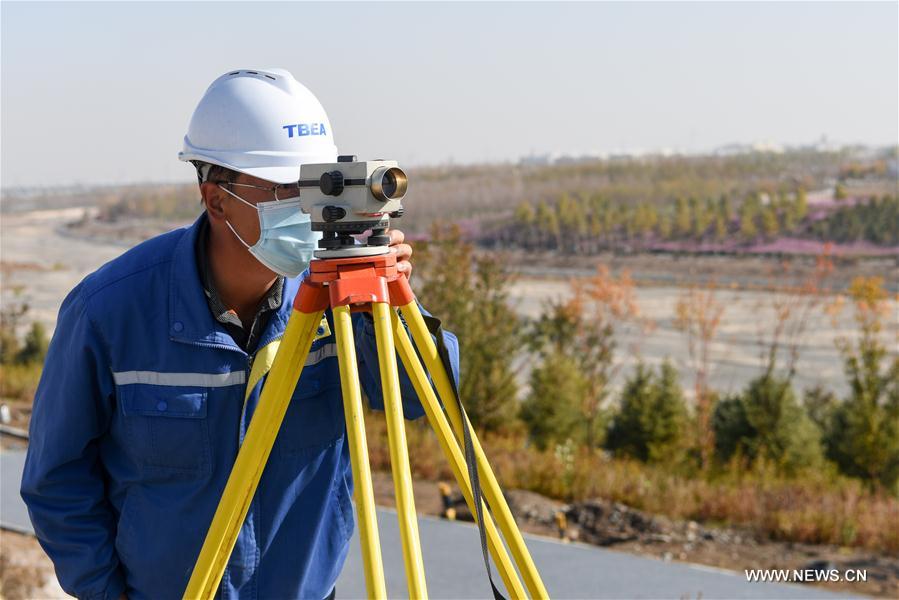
column 369, row 283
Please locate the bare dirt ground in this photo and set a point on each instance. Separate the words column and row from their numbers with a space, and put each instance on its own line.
column 725, row 271
column 25, row 571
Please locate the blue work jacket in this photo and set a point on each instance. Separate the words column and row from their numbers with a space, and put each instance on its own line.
column 138, row 418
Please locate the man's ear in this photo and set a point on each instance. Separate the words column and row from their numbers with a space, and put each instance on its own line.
column 213, row 200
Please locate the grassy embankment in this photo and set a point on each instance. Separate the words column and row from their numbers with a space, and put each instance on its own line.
column 821, row 508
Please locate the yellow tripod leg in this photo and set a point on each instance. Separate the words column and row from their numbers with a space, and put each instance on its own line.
column 253, row 454
column 399, row 454
column 453, row 453
column 492, row 491
column 355, row 428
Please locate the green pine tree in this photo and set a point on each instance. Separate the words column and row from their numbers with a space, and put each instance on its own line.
column 651, row 422
column 551, row 409
column 766, row 421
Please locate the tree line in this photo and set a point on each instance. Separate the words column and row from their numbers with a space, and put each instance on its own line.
column 483, row 195
column 875, row 221
column 590, row 223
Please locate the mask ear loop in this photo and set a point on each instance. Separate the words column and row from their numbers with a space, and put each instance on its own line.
column 237, row 235
column 228, row 223
column 227, row 191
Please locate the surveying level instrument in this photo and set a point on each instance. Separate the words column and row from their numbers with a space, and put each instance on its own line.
column 351, row 278
column 350, row 198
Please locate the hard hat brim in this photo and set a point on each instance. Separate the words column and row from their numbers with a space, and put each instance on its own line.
column 275, row 174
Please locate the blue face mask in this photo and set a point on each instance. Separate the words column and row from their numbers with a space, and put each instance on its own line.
column 286, row 240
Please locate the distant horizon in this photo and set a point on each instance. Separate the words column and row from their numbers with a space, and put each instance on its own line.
column 520, row 161
column 190, row 176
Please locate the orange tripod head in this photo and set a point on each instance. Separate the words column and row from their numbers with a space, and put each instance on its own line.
column 355, row 282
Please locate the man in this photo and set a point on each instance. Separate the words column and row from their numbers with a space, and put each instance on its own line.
column 156, row 368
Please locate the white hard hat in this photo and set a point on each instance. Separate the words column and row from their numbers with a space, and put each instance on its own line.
column 261, row 122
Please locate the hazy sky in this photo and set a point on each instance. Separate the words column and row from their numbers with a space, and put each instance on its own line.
column 103, row 92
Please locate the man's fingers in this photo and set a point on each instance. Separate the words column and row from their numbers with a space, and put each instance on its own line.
column 396, row 237
column 402, row 251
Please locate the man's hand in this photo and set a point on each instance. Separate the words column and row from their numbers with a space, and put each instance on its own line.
column 403, row 252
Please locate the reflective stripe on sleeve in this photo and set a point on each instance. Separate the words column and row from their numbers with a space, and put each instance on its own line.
column 180, row 379
column 316, row 356
column 265, row 357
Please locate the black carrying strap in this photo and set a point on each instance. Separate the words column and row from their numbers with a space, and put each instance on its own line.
column 470, row 459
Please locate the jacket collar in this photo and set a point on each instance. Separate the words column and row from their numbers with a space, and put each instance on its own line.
column 191, row 321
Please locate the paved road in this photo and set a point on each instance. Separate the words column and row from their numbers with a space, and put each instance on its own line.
column 13, row 514
column 454, row 567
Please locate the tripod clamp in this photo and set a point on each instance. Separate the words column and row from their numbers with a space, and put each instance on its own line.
column 356, row 282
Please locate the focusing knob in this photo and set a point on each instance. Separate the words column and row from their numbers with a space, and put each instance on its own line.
column 333, row 213
column 331, row 184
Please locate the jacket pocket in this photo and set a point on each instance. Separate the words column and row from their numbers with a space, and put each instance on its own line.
column 167, row 427
column 314, row 419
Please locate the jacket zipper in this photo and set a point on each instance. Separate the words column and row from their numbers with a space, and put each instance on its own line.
column 251, row 358
column 241, row 430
